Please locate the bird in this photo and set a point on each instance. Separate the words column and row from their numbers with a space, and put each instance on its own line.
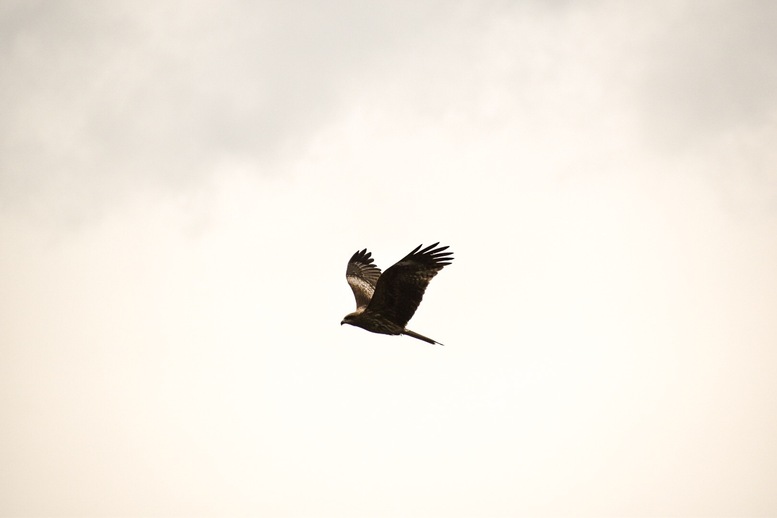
column 386, row 302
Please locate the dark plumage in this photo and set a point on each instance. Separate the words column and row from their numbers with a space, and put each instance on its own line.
column 385, row 303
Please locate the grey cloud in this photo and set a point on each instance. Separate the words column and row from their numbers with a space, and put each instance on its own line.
column 101, row 97
column 710, row 66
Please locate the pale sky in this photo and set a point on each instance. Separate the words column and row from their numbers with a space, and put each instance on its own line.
column 182, row 184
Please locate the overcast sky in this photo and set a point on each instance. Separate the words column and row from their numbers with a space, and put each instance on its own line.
column 182, row 184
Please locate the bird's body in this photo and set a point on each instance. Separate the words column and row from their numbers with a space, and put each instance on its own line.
column 386, row 302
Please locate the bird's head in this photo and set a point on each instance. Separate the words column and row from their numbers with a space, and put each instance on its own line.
column 349, row 318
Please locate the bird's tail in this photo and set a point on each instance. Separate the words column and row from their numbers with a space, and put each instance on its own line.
column 420, row 337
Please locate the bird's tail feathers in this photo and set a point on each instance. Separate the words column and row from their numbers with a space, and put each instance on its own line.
column 420, row 337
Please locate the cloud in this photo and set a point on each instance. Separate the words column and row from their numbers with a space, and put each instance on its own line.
column 100, row 101
column 710, row 67
column 103, row 99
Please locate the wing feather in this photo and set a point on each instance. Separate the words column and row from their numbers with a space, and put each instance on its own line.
column 400, row 289
column 362, row 276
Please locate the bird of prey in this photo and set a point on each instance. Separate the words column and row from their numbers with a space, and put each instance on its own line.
column 386, row 302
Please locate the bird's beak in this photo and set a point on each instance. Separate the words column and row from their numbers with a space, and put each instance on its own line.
column 342, row 322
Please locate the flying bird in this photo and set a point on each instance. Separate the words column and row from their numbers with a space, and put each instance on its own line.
column 386, row 302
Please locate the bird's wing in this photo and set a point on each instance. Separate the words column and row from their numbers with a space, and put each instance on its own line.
column 362, row 275
column 400, row 289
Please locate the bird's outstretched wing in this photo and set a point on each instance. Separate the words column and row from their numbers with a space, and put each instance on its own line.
column 400, row 289
column 362, row 276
